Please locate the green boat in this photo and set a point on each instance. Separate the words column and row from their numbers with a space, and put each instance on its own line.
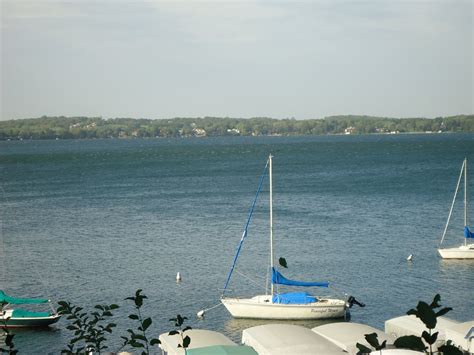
column 16, row 318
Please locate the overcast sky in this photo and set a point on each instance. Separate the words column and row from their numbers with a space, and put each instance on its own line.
column 302, row 59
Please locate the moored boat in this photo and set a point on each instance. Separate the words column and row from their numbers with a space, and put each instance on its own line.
column 18, row 318
column 275, row 305
column 466, row 250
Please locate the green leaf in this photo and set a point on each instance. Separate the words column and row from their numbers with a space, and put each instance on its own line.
column 136, row 344
column 426, row 314
column 430, row 339
column 443, row 311
column 114, row 306
column 283, row 263
column 435, row 303
column 413, row 312
column 363, row 349
column 146, row 323
column 186, row 341
column 450, row 349
column 411, row 342
column 140, row 337
column 173, row 332
column 187, row 328
column 155, row 341
column 63, row 304
column 133, row 316
column 373, row 340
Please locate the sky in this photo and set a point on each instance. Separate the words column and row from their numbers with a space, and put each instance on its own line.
column 245, row 58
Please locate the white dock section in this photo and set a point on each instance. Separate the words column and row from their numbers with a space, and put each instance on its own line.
column 199, row 338
column 411, row 325
column 346, row 335
column 284, row 339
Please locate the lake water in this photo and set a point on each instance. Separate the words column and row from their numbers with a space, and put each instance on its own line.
column 91, row 221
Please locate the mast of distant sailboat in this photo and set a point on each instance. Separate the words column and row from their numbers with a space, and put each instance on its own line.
column 465, row 197
column 271, row 216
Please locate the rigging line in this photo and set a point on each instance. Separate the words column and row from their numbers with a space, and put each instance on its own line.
column 217, row 305
column 244, row 233
column 337, row 290
column 452, row 204
column 248, row 278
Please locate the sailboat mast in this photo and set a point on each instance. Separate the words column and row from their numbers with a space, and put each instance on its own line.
column 465, row 196
column 271, row 215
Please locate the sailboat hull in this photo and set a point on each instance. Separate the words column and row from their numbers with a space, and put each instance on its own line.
column 261, row 307
column 462, row 252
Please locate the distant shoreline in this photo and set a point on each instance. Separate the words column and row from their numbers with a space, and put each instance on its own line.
column 48, row 128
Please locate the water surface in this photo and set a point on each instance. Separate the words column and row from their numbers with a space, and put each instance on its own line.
column 91, row 221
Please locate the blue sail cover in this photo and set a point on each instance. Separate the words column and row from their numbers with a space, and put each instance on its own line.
column 293, row 298
column 279, row 279
column 468, row 233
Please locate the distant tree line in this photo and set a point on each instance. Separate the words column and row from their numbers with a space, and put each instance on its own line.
column 97, row 127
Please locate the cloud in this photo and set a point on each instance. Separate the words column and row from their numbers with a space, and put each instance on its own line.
column 30, row 10
column 223, row 21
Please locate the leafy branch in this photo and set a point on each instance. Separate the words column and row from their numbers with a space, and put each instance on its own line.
column 373, row 341
column 139, row 340
column 8, row 337
column 89, row 330
column 428, row 315
column 185, row 340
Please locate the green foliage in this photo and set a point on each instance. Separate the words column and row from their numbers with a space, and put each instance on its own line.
column 411, row 342
column 88, row 328
column 96, row 127
column 373, row 341
column 450, row 349
column 363, row 349
column 178, row 322
column 10, row 349
column 282, row 262
column 427, row 314
column 8, row 337
column 89, row 332
column 140, row 339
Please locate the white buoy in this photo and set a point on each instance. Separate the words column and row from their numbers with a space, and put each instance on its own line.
column 200, row 314
column 178, row 277
column 410, row 257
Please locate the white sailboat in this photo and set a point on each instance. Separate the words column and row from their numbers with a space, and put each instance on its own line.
column 294, row 305
column 466, row 250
